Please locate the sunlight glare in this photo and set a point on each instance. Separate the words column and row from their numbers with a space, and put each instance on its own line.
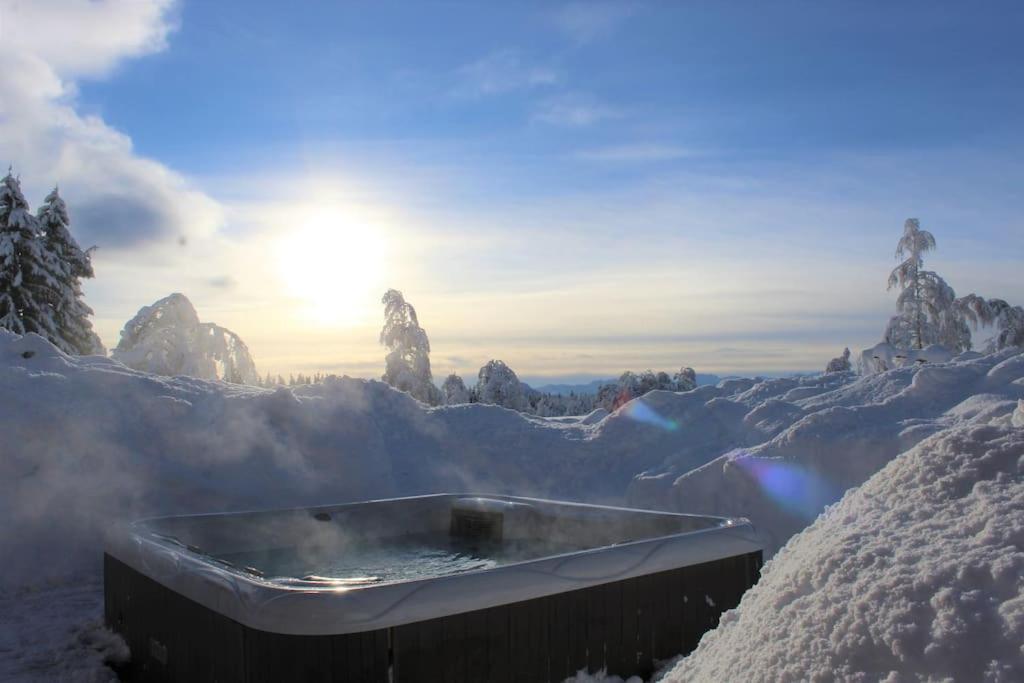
column 333, row 267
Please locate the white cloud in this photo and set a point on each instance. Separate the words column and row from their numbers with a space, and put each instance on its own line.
column 638, row 153
column 584, row 22
column 574, row 110
column 117, row 199
column 500, row 72
column 85, row 37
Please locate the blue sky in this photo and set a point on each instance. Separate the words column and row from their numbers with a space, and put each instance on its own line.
column 489, row 83
column 576, row 188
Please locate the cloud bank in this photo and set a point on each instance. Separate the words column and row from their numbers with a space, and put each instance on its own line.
column 118, row 199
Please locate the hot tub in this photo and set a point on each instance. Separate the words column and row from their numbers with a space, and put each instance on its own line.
column 448, row 587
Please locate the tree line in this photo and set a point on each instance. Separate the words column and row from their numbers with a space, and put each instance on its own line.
column 41, row 272
column 407, row 367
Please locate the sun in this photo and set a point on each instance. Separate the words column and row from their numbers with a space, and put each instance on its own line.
column 333, row 268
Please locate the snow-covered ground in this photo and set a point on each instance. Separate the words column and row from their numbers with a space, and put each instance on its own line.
column 87, row 441
column 918, row 575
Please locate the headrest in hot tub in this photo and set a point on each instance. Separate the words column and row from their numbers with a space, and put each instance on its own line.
column 489, row 518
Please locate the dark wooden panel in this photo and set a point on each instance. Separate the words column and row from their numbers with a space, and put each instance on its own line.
column 558, row 637
column 475, row 647
column 578, row 619
column 429, row 633
column 613, row 656
column 539, row 639
column 645, row 601
column 628, row 632
column 499, row 668
column 677, row 611
column 622, row 626
column 596, row 628
column 453, row 659
column 690, row 593
column 405, row 651
column 381, row 654
column 735, row 582
column 255, row 651
column 520, row 641
column 660, row 596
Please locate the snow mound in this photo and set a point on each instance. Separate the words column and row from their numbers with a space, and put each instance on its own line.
column 918, row 575
column 802, row 455
column 884, row 356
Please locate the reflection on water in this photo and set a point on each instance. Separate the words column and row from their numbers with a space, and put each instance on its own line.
column 387, row 560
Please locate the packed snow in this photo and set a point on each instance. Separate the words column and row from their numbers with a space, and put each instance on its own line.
column 89, row 441
column 820, row 443
column 918, row 575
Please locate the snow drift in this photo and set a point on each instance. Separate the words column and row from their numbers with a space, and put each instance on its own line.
column 818, row 441
column 916, row 575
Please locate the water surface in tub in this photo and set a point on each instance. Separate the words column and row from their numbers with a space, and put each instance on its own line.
column 388, row 560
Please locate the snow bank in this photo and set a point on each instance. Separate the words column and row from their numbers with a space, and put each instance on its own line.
column 884, row 356
column 820, row 445
column 917, row 575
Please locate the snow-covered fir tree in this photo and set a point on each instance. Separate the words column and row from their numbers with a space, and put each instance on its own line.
column 928, row 313
column 840, row 364
column 1008, row 320
column 685, row 379
column 29, row 274
column 167, row 338
column 557, row 405
column 71, row 311
column 632, row 385
column 454, row 390
column 407, row 365
column 497, row 384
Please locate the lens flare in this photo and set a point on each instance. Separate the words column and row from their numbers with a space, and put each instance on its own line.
column 641, row 412
column 794, row 487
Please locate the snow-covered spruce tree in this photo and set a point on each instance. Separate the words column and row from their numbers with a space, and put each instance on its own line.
column 685, row 379
column 557, row 405
column 614, row 394
column 631, row 385
column 167, row 338
column 407, row 365
column 498, row 385
column 29, row 275
column 71, row 311
column 1009, row 320
column 454, row 390
column 927, row 304
column 840, row 364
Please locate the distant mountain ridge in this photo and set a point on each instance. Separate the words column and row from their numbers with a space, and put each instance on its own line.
column 592, row 386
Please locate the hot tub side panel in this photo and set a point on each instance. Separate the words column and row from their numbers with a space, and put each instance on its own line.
column 623, row 626
column 173, row 638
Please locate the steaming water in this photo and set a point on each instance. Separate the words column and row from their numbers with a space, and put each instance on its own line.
column 389, row 560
